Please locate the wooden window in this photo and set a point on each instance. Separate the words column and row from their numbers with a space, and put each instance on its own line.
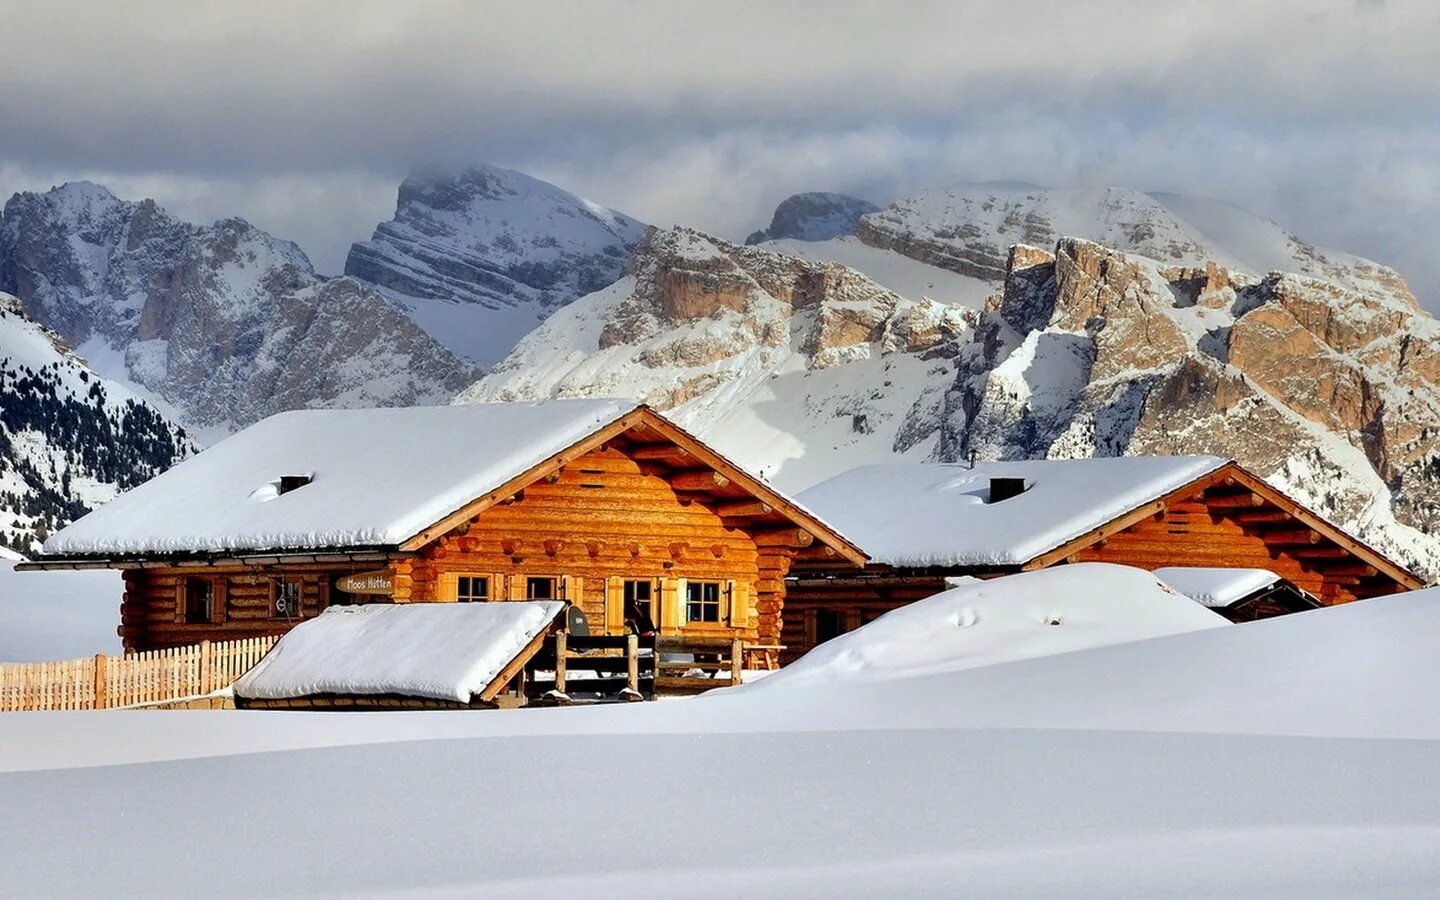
column 639, row 606
column 285, row 599
column 541, row 588
column 829, row 623
column 199, row 601
column 472, row 588
column 705, row 602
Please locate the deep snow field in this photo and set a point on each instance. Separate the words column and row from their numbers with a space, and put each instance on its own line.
column 1297, row 756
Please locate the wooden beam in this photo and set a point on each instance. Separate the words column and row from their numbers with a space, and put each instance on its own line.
column 1234, row 501
column 783, row 537
column 1262, row 517
column 822, row 552
column 698, row 480
column 1290, row 536
column 497, row 684
column 743, row 509
column 661, row 452
column 1317, row 552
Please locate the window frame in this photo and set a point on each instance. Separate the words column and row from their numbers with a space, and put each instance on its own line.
column 721, row 603
column 557, row 587
column 462, row 596
column 185, row 609
column 278, row 587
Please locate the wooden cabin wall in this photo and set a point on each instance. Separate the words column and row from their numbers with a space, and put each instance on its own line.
column 1191, row 533
column 605, row 516
column 857, row 601
column 151, row 617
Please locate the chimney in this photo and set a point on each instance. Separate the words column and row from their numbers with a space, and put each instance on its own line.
column 1005, row 488
column 289, row 483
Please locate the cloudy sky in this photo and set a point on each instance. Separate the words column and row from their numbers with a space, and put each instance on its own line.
column 1323, row 115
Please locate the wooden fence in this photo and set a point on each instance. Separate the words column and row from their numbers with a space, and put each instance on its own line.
column 135, row 679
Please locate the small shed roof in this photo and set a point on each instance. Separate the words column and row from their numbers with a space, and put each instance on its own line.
column 377, row 477
column 440, row 651
column 1216, row 588
column 927, row 514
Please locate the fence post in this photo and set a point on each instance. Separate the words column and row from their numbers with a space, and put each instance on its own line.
column 560, row 661
column 207, row 678
column 737, row 656
column 632, row 660
column 99, row 681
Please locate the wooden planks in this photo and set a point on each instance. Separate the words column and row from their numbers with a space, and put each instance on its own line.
column 135, row 679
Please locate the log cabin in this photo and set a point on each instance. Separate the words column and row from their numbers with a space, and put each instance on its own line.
column 603, row 504
column 923, row 523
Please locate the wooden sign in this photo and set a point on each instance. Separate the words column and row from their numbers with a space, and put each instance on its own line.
column 381, row 581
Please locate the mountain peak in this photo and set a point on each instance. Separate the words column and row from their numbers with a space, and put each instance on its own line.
column 814, row 216
column 479, row 256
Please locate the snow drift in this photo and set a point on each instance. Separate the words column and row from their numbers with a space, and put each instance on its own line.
column 1012, row 618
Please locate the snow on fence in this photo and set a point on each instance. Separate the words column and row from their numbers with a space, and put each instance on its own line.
column 135, row 679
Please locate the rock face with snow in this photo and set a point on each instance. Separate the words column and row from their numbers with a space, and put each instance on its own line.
column 1327, row 391
column 481, row 256
column 225, row 322
column 969, row 229
column 705, row 329
column 69, row 439
column 816, row 216
column 1322, row 380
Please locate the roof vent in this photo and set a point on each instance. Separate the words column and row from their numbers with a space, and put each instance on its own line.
column 1005, row 488
column 289, row 483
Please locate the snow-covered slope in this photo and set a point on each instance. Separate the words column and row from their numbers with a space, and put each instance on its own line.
column 1292, row 757
column 770, row 354
column 69, row 439
column 225, row 322
column 479, row 257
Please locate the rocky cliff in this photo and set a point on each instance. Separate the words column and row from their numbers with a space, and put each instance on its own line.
column 800, row 368
column 480, row 256
column 69, row 439
column 225, row 322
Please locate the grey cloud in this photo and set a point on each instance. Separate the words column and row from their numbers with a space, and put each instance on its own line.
column 303, row 119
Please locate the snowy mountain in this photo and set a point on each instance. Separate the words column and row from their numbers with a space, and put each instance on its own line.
column 69, row 439
column 223, row 322
column 969, row 228
column 817, row 216
column 1328, row 384
column 480, row 257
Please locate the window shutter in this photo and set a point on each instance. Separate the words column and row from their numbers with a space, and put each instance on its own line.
column 218, row 599
column 669, row 605
column 517, row 587
column 739, row 599
column 322, row 594
column 682, row 608
column 180, row 599
column 495, row 590
column 448, row 587
column 572, row 588
column 614, row 605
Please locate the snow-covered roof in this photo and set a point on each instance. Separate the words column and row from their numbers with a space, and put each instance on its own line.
column 378, row 477
column 926, row 514
column 443, row 651
column 1216, row 588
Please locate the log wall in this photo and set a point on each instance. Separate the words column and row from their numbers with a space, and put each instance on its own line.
column 605, row 516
